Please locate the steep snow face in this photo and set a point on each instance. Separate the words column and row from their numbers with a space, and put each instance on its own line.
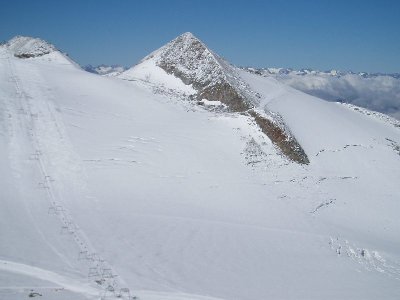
column 25, row 47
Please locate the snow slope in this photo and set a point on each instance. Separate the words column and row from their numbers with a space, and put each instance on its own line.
column 149, row 72
column 102, row 177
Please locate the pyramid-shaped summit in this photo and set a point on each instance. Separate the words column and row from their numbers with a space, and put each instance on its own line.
column 189, row 59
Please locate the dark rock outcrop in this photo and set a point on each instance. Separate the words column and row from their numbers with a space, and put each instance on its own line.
column 280, row 136
column 215, row 80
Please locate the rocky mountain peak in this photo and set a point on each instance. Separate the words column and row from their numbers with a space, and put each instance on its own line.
column 189, row 59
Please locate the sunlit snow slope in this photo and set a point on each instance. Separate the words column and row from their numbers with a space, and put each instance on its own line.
column 107, row 185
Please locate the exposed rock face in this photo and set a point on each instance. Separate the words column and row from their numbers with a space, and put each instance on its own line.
column 190, row 60
column 26, row 47
column 281, row 136
column 226, row 94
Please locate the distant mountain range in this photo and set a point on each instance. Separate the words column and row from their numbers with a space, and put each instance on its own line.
column 108, row 70
column 308, row 71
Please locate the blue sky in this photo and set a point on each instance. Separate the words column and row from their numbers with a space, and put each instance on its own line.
column 326, row 34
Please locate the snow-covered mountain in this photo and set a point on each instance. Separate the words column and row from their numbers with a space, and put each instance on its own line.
column 202, row 74
column 158, row 184
column 378, row 92
column 188, row 59
column 105, row 70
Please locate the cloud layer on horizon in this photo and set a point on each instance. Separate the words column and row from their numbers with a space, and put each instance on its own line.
column 380, row 93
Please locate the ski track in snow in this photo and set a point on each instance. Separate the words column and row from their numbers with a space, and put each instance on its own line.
column 21, row 113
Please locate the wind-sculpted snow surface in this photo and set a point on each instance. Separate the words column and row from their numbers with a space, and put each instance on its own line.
column 109, row 190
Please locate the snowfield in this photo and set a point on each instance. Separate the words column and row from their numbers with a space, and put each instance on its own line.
column 112, row 187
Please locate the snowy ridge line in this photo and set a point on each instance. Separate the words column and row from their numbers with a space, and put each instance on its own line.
column 373, row 114
column 98, row 268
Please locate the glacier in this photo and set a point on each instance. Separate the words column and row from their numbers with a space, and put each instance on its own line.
column 124, row 186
